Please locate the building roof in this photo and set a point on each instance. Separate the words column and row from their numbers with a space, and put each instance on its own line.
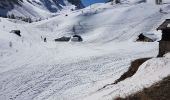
column 164, row 25
column 151, row 36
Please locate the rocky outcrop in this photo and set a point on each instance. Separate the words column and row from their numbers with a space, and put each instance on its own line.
column 30, row 8
column 78, row 3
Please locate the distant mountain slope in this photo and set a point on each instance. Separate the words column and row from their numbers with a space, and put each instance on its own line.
column 36, row 8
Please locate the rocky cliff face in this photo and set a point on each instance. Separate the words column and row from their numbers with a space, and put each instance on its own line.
column 35, row 8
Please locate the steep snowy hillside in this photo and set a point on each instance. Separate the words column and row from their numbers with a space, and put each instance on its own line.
column 31, row 69
column 36, row 8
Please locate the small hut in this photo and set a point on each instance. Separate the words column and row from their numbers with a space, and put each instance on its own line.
column 164, row 43
column 146, row 37
column 17, row 32
column 63, row 39
column 76, row 38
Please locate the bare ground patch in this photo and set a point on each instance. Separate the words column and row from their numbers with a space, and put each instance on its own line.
column 158, row 91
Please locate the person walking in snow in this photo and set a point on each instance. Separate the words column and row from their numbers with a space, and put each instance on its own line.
column 45, row 39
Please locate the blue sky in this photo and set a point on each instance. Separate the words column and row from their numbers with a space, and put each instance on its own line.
column 88, row 2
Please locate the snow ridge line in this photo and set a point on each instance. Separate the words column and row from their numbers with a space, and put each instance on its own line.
column 131, row 71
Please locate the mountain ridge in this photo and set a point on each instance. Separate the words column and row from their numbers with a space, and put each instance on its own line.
column 37, row 8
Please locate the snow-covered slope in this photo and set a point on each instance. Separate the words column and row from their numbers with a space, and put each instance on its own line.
column 36, row 8
column 149, row 73
column 31, row 69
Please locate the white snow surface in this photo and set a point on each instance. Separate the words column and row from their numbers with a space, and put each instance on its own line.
column 150, row 72
column 34, row 70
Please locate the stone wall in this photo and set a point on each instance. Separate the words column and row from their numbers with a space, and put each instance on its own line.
column 164, row 47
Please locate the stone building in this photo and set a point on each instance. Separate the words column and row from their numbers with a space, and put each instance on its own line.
column 164, row 43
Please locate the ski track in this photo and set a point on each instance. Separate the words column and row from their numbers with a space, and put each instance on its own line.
column 36, row 71
column 27, row 82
